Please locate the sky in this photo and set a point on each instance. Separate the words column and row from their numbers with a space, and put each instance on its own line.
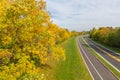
column 83, row 15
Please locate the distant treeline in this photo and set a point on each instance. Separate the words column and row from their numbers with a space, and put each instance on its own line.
column 106, row 35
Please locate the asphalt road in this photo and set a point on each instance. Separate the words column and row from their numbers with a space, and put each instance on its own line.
column 97, row 70
column 110, row 56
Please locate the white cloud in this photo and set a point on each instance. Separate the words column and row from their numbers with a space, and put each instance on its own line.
column 84, row 14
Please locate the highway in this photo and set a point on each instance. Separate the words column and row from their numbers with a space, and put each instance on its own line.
column 96, row 69
column 110, row 56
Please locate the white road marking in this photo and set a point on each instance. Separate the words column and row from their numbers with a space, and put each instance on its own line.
column 103, row 46
column 91, row 62
column 83, row 58
column 103, row 58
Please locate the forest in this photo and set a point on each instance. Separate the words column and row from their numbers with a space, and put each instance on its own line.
column 106, row 35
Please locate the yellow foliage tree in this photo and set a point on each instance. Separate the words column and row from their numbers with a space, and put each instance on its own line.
column 27, row 39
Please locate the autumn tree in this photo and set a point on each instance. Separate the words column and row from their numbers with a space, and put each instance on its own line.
column 106, row 35
column 27, row 39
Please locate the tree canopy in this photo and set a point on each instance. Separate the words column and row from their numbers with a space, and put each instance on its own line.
column 106, row 35
column 27, row 39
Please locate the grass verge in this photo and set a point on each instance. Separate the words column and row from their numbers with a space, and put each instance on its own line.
column 113, row 70
column 73, row 68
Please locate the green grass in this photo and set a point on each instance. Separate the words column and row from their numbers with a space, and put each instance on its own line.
column 109, row 47
column 73, row 68
column 102, row 60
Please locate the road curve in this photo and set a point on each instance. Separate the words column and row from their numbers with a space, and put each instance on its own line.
column 110, row 56
column 97, row 70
